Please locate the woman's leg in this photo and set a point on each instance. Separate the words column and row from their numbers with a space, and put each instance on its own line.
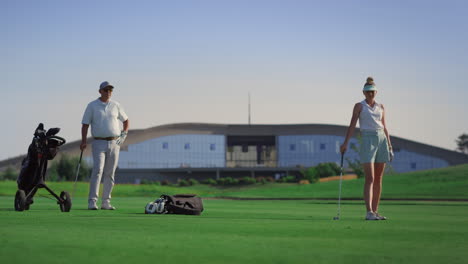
column 377, row 187
column 368, row 186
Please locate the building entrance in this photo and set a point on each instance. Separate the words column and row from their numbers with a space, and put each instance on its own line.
column 251, row 151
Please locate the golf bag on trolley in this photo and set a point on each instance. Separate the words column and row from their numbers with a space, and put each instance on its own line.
column 44, row 147
column 187, row 204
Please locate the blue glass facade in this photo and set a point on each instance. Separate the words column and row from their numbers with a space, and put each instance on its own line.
column 176, row 151
column 209, row 151
column 310, row 150
column 410, row 161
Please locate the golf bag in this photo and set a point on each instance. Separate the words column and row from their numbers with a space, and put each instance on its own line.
column 44, row 147
column 187, row 204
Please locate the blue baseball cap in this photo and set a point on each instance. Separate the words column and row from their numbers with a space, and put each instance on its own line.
column 105, row 85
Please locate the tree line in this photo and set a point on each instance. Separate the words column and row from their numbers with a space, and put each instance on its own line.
column 62, row 169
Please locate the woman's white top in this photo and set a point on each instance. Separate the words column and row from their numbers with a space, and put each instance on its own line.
column 371, row 117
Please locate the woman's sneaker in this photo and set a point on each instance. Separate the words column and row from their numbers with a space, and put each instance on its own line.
column 371, row 216
column 381, row 217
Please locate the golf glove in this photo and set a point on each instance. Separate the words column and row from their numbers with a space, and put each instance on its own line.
column 391, row 155
column 122, row 138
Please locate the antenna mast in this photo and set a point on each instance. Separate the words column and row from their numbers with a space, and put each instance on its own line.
column 249, row 108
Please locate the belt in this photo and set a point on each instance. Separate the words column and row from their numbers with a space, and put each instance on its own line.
column 106, row 138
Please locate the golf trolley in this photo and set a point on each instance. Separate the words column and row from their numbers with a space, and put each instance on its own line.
column 43, row 148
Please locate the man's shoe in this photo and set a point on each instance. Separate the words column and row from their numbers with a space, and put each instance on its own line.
column 92, row 205
column 107, row 207
column 381, row 217
column 371, row 216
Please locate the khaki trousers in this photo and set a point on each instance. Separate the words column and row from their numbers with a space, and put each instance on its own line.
column 105, row 159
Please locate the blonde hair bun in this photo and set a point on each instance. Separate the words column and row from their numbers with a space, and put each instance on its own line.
column 370, row 81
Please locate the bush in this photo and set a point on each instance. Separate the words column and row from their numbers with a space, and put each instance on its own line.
column 193, row 182
column 183, row 183
column 209, row 181
column 289, row 178
column 146, row 181
column 228, row 181
column 220, row 181
column 52, row 174
column 247, row 180
column 322, row 170
column 64, row 169
column 9, row 174
column 311, row 174
column 356, row 164
column 356, row 167
column 327, row 169
column 261, row 180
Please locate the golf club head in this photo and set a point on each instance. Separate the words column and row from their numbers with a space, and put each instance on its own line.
column 336, row 218
column 52, row 131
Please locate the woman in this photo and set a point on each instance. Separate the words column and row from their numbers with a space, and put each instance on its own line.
column 376, row 149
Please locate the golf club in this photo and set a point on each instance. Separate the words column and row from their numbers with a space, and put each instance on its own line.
column 337, row 217
column 77, row 173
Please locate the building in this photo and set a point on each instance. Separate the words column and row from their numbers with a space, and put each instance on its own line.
column 200, row 151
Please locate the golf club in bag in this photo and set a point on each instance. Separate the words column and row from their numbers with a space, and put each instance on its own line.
column 44, row 147
column 337, row 217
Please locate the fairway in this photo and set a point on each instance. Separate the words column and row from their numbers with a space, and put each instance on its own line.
column 235, row 232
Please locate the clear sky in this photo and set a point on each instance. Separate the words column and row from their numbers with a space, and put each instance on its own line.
column 197, row 60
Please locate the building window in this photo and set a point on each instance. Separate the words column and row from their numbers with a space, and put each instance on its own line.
column 212, row 146
column 413, row 165
column 292, row 147
column 187, row 146
column 165, row 145
column 308, row 145
column 322, row 146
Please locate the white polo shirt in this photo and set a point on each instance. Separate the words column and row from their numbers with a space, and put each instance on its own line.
column 104, row 118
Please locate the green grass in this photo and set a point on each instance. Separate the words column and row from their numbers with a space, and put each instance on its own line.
column 234, row 232
column 231, row 231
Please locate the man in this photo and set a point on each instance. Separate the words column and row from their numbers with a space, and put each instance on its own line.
column 104, row 114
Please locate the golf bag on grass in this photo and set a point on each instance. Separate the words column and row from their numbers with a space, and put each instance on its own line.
column 187, row 204
column 44, row 147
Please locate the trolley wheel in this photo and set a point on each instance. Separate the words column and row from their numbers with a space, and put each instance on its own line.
column 20, row 200
column 66, row 205
column 28, row 203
